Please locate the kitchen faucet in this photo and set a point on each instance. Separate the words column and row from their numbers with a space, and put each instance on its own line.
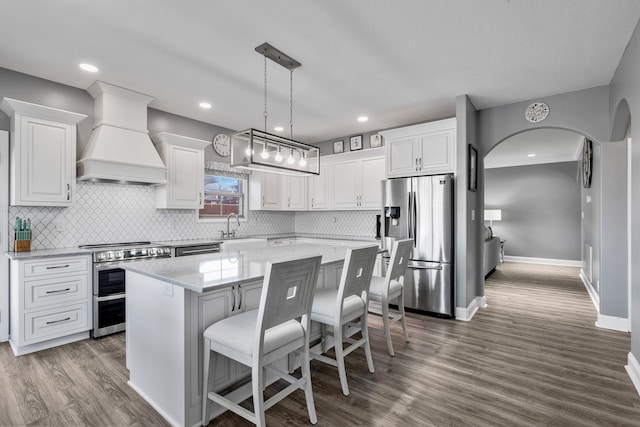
column 234, row 231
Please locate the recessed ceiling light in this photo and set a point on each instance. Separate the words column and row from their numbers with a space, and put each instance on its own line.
column 205, row 105
column 363, row 119
column 278, row 128
column 531, row 155
column 90, row 68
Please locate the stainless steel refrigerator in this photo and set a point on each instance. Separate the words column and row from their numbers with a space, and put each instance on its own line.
column 421, row 208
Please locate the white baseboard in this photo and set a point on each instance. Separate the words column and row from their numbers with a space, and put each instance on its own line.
column 544, row 261
column 466, row 314
column 611, row 322
column 633, row 369
column 595, row 298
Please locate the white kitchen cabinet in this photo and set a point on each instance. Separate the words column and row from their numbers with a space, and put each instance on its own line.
column 184, row 159
column 320, row 188
column 265, row 191
column 295, row 190
column 425, row 149
column 270, row 191
column 43, row 154
column 356, row 183
column 50, row 302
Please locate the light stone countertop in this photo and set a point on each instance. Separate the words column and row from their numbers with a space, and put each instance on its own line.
column 202, row 273
column 46, row 253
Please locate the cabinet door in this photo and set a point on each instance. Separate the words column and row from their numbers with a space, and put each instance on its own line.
column 373, row 173
column 346, row 184
column 319, row 186
column 211, row 307
column 437, row 152
column 297, row 192
column 186, row 178
column 403, row 155
column 271, row 186
column 47, row 163
column 249, row 296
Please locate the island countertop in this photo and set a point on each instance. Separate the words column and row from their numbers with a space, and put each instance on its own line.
column 202, row 273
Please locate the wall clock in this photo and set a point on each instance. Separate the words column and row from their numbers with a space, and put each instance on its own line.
column 536, row 112
column 222, row 144
column 587, row 160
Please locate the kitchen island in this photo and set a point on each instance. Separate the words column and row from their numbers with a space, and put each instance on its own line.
column 170, row 302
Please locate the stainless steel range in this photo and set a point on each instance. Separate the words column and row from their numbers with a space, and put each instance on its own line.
column 109, row 287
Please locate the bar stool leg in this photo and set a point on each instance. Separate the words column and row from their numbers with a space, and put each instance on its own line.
column 337, row 336
column 258, row 396
column 308, row 392
column 205, row 380
column 367, row 348
column 403, row 319
column 387, row 327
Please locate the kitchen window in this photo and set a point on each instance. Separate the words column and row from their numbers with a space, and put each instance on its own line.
column 223, row 195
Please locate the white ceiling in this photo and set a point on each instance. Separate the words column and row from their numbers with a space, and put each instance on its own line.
column 548, row 145
column 396, row 62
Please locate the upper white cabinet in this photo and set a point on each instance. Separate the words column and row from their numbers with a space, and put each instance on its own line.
column 265, row 191
column 184, row 159
column 295, row 190
column 355, row 180
column 320, row 187
column 424, row 149
column 43, row 154
column 270, row 191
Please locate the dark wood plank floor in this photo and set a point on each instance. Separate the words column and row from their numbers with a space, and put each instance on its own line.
column 533, row 357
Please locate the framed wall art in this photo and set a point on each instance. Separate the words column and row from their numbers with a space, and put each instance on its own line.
column 472, row 165
column 338, row 147
column 356, row 143
column 375, row 140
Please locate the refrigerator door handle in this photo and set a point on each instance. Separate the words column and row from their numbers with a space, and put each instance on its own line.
column 410, row 217
column 414, row 221
column 420, row 267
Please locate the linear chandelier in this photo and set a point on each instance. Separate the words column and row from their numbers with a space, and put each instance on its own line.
column 260, row 150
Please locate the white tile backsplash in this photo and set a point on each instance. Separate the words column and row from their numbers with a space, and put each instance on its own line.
column 109, row 213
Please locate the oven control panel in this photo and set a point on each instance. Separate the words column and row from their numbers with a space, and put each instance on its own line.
column 132, row 253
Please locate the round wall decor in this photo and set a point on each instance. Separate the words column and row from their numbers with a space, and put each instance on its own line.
column 587, row 161
column 222, row 144
column 536, row 112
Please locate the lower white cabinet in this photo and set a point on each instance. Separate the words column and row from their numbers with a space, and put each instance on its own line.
column 50, row 302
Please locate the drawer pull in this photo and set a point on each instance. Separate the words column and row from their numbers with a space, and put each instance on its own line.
column 51, row 267
column 58, row 321
column 58, row 291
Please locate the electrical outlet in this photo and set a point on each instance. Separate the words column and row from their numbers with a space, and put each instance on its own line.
column 60, row 226
column 168, row 290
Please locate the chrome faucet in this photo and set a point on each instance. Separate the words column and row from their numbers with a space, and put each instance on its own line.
column 234, row 231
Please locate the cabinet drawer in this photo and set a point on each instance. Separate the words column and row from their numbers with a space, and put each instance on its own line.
column 63, row 289
column 56, row 266
column 53, row 323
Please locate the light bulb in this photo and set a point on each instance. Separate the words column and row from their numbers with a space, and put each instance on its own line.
column 248, row 151
column 278, row 156
column 290, row 159
column 265, row 153
column 303, row 162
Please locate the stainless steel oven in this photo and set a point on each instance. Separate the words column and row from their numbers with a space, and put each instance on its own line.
column 109, row 282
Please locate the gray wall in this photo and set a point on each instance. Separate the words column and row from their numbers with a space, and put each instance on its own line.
column 468, row 208
column 613, row 230
column 625, row 88
column 540, row 209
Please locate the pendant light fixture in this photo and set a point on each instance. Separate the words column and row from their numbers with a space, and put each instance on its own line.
column 302, row 159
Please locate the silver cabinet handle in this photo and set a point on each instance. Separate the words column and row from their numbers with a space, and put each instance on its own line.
column 288, row 202
column 200, row 199
column 58, row 291
column 416, row 164
column 239, row 297
column 68, row 192
column 420, row 163
column 51, row 267
column 233, row 303
column 312, row 202
column 58, row 321
column 262, row 201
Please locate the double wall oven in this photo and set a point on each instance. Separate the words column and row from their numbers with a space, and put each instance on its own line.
column 109, row 281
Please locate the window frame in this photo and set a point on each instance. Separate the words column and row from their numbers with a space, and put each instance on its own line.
column 243, row 217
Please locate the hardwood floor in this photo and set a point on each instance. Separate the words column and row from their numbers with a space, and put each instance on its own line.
column 533, row 357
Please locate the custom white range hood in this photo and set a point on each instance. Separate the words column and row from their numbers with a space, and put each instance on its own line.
column 119, row 149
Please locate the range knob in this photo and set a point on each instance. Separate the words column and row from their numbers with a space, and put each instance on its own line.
column 100, row 256
column 119, row 255
column 109, row 255
column 152, row 251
